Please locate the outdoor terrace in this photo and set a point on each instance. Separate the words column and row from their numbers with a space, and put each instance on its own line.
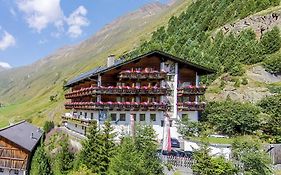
column 192, row 90
column 124, row 90
column 147, row 73
column 127, row 106
column 191, row 106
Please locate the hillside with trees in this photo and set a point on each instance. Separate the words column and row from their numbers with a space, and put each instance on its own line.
column 191, row 35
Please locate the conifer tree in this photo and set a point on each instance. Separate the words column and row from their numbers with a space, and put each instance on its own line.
column 127, row 160
column 147, row 146
column 89, row 155
column 107, row 147
column 271, row 41
column 40, row 162
column 64, row 157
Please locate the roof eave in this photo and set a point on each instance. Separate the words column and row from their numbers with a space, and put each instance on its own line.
column 203, row 70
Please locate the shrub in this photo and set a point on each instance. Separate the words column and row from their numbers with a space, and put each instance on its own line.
column 244, row 81
column 271, row 41
column 48, row 126
column 232, row 118
column 273, row 63
column 237, row 83
column 237, row 70
column 206, row 165
column 251, row 157
column 272, row 107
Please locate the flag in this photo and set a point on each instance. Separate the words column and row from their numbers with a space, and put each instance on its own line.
column 167, row 136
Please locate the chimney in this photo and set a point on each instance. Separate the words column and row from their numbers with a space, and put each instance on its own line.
column 110, row 60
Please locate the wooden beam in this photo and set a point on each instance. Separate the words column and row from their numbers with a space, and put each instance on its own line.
column 24, row 161
column 9, row 148
column 12, row 158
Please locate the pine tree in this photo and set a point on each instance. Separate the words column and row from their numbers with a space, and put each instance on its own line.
column 127, row 160
column 40, row 162
column 271, row 41
column 64, row 157
column 89, row 155
column 107, row 147
column 147, row 146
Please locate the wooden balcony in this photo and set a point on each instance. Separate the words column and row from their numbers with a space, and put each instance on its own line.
column 192, row 90
column 143, row 74
column 123, row 90
column 191, row 106
column 120, row 106
column 77, row 119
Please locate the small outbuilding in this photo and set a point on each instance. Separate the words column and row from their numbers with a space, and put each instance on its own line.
column 17, row 145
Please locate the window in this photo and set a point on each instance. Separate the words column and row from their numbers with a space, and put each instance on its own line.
column 16, row 171
column 122, row 117
column 85, row 114
column 82, row 127
column 113, row 117
column 152, row 117
column 142, row 117
column 75, row 125
column 162, row 123
column 81, row 113
column 92, row 116
column 1, row 170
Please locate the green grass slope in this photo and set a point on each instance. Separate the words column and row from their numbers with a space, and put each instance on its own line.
column 26, row 91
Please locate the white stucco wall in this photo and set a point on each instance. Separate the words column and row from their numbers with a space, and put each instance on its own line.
column 75, row 127
column 123, row 127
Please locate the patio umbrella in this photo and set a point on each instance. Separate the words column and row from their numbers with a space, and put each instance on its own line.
column 167, row 136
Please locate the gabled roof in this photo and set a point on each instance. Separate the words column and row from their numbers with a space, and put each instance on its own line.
column 201, row 69
column 22, row 134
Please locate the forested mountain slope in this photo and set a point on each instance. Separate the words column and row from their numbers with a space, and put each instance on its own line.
column 232, row 37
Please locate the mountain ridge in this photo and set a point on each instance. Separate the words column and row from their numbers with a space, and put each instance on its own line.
column 26, row 91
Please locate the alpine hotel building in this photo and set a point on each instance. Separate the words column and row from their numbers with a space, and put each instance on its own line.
column 149, row 87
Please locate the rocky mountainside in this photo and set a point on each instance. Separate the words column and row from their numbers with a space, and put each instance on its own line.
column 27, row 91
column 255, row 88
column 260, row 23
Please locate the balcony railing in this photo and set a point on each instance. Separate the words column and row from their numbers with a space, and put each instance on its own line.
column 125, row 90
column 77, row 119
column 191, row 106
column 143, row 74
column 192, row 90
column 123, row 106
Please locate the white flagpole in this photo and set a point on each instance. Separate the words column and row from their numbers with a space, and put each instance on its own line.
column 167, row 135
column 132, row 123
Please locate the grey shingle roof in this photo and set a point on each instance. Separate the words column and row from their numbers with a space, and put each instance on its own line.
column 22, row 134
column 202, row 70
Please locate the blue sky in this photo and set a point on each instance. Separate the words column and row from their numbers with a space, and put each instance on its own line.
column 32, row 29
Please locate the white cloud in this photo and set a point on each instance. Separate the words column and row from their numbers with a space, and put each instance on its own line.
column 41, row 13
column 76, row 20
column 7, row 40
column 5, row 65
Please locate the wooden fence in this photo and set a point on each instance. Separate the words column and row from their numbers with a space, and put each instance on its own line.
column 177, row 161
